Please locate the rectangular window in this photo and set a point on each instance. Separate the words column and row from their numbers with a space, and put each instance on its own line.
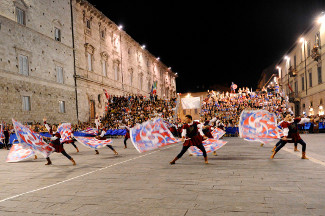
column 140, row 82
column 116, row 74
column 62, row 106
column 317, row 39
column 90, row 61
column 102, row 34
column 302, row 83
column 26, row 103
column 59, row 74
column 308, row 48
column 88, row 23
column 310, row 79
column 104, row 68
column 57, row 34
column 319, row 73
column 23, row 65
column 20, row 16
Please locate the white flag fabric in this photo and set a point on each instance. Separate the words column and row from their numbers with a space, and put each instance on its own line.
column 191, row 103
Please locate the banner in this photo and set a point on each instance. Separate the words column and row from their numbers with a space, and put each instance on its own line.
column 258, row 125
column 210, row 145
column 65, row 132
column 19, row 152
column 154, row 88
column 191, row 103
column 32, row 139
column 92, row 142
column 150, row 135
column 106, row 94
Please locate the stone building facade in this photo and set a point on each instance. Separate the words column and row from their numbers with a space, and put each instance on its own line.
column 57, row 56
column 36, row 61
column 108, row 58
column 302, row 72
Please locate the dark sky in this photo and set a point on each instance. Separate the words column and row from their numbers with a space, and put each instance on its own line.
column 214, row 44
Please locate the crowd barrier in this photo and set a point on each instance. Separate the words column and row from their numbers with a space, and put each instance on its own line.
column 232, row 131
column 306, row 126
column 111, row 133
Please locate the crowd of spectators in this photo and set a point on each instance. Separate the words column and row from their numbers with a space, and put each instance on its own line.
column 227, row 107
column 133, row 109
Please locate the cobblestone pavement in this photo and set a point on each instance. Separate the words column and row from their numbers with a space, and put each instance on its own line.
column 241, row 180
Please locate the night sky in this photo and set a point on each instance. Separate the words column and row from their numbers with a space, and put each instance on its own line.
column 210, row 44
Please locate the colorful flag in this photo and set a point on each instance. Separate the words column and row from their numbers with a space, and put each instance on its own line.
column 19, row 152
column 150, row 135
column 154, row 88
column 32, row 139
column 233, row 86
column 90, row 131
column 217, row 133
column 92, row 142
column 210, row 145
column 65, row 131
column 2, row 135
column 258, row 125
column 106, row 94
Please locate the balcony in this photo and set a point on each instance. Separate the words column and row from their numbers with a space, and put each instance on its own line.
column 293, row 97
column 292, row 71
column 315, row 53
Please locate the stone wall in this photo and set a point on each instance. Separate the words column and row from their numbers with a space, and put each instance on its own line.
column 36, row 40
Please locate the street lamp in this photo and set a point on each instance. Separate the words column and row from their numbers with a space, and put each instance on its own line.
column 303, row 41
column 321, row 18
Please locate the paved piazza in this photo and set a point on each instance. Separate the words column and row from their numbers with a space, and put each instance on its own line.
column 241, row 180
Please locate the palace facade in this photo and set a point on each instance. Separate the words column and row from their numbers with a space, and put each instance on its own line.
column 57, row 56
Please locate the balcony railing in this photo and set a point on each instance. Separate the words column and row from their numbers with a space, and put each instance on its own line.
column 315, row 53
column 292, row 71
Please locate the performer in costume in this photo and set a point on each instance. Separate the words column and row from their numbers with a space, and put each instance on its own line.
column 279, row 142
column 207, row 129
column 55, row 143
column 192, row 135
column 101, row 136
column 127, row 135
column 6, row 133
column 290, row 130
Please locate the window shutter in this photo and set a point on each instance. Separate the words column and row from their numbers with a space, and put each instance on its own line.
column 25, row 65
column 21, row 64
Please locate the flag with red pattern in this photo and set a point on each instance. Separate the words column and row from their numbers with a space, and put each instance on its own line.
column 210, row 145
column 32, row 139
column 2, row 136
column 19, row 152
column 150, row 135
column 65, row 132
column 92, row 142
column 217, row 133
column 259, row 125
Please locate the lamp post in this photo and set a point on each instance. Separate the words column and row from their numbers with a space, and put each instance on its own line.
column 303, row 41
column 120, row 27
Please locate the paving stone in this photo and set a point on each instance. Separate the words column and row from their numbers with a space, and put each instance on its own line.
column 241, row 180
